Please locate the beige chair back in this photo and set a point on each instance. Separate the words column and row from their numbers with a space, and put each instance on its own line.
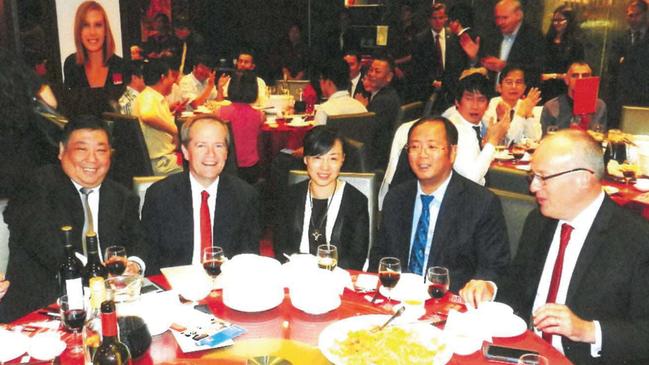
column 4, row 238
column 635, row 120
column 516, row 207
column 141, row 184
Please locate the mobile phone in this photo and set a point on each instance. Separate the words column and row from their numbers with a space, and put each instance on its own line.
column 149, row 286
column 505, row 354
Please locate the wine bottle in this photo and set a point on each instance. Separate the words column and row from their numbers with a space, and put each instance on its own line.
column 94, row 266
column 111, row 351
column 70, row 270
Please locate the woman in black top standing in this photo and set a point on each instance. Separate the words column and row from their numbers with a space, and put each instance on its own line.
column 563, row 48
column 324, row 209
column 94, row 73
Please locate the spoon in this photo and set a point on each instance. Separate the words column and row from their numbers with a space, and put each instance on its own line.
column 395, row 315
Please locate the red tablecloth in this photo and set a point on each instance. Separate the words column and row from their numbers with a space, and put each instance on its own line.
column 291, row 327
column 280, row 137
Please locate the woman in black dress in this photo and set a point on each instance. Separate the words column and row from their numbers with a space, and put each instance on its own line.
column 563, row 48
column 94, row 73
column 324, row 209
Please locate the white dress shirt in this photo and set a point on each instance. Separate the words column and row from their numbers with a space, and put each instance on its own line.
column 339, row 103
column 355, row 82
column 470, row 161
column 581, row 224
column 262, row 93
column 197, row 190
column 434, row 207
column 191, row 88
column 520, row 127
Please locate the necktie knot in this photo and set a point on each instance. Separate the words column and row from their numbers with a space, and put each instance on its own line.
column 425, row 200
column 205, row 195
column 86, row 191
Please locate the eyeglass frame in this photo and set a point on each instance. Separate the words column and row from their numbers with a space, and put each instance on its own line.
column 416, row 150
column 531, row 175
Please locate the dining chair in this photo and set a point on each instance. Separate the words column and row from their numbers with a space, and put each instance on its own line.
column 516, row 207
column 365, row 183
column 509, row 179
column 408, row 112
column 360, row 127
column 634, row 119
column 141, row 184
column 4, row 238
column 130, row 157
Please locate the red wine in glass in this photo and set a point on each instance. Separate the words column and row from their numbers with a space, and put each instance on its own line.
column 116, row 265
column 74, row 318
column 437, row 291
column 389, row 279
column 212, row 267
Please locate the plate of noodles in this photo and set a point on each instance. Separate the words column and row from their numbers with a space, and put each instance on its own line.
column 351, row 341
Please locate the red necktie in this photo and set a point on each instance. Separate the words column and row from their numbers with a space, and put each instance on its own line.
column 566, row 230
column 206, row 224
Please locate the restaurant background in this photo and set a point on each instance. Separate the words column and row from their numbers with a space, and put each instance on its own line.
column 228, row 25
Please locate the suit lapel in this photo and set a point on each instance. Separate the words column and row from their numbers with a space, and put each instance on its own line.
column 298, row 218
column 442, row 235
column 185, row 214
column 224, row 204
column 594, row 240
column 107, row 217
column 69, row 207
column 405, row 223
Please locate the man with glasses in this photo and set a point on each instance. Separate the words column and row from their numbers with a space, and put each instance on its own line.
column 442, row 218
column 582, row 270
column 557, row 112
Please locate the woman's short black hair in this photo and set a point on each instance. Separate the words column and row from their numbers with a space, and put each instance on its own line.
column 243, row 87
column 320, row 140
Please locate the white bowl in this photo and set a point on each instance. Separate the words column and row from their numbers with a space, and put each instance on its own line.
column 46, row 346
column 642, row 184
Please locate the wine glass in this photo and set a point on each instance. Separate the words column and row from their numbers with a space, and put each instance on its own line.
column 518, row 152
column 73, row 315
column 533, row 359
column 212, row 260
column 115, row 260
column 438, row 281
column 389, row 273
column 327, row 257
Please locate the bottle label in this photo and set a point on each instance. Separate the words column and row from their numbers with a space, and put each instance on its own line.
column 74, row 290
column 109, row 324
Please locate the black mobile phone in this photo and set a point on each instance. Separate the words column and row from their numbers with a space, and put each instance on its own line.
column 505, row 354
column 149, row 286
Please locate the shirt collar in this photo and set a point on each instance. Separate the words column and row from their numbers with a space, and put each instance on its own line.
column 463, row 31
column 586, row 217
column 442, row 33
column 515, row 32
column 339, row 94
column 466, row 122
column 78, row 187
column 439, row 192
column 198, row 188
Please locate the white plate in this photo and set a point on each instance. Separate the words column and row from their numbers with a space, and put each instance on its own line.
column 46, row 346
column 524, row 167
column 642, row 184
column 509, row 326
column 253, row 306
column 503, row 157
column 298, row 124
column 410, row 286
column 337, row 331
column 13, row 345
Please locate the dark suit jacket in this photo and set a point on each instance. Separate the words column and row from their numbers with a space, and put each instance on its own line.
column 386, row 105
column 35, row 218
column 350, row 232
column 470, row 236
column 427, row 68
column 527, row 51
column 169, row 223
column 610, row 282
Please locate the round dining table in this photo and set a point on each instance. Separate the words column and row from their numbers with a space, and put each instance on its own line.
column 291, row 334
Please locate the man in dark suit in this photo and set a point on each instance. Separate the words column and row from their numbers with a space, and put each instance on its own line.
column 189, row 211
column 582, row 269
column 53, row 199
column 384, row 101
column 438, row 59
column 356, row 73
column 516, row 42
column 465, row 230
column 627, row 65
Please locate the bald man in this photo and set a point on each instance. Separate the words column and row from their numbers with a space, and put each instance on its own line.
column 516, row 42
column 582, row 270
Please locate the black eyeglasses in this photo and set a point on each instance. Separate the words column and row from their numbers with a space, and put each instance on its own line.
column 531, row 175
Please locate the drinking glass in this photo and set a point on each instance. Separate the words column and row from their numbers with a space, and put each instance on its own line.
column 212, row 260
column 438, row 281
column 628, row 171
column 389, row 273
column 327, row 257
column 115, row 260
column 73, row 315
column 533, row 359
column 518, row 152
